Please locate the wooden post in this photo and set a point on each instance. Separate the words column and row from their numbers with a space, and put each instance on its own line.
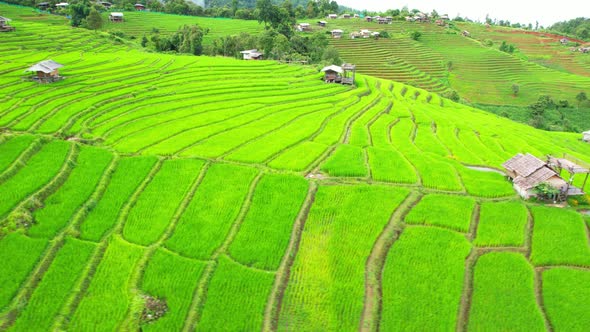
column 585, row 179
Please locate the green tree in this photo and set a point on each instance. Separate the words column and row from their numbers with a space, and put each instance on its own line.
column 515, row 89
column 79, row 11
column 415, row 35
column 581, row 97
column 94, row 20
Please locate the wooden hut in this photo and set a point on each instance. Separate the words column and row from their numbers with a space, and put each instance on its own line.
column 303, row 27
column 389, row 19
column 337, row 33
column 106, row 4
column 322, row 23
column 586, row 136
column 333, row 74
column 116, row 17
column 332, row 16
column 369, row 19
column 355, row 35
column 365, row 33
column 62, row 5
column 4, row 26
column 466, row 33
column 46, row 71
column 382, row 20
column 528, row 171
column 339, row 74
column 139, row 7
column 43, row 5
column 251, row 54
column 346, row 16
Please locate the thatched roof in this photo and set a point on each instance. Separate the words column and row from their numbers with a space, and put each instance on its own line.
column 46, row 66
column 532, row 180
column 523, row 165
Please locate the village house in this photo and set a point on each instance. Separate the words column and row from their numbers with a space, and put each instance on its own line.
column 365, row 33
column 382, row 20
column 303, row 27
column 332, row 16
column 389, row 19
column 116, row 17
column 62, row 5
column 251, row 54
column 564, row 41
column 139, row 7
column 4, row 26
column 528, row 171
column 445, row 17
column 368, row 18
column 586, row 136
column 346, row 16
column 421, row 17
column 409, row 19
column 337, row 33
column 46, row 71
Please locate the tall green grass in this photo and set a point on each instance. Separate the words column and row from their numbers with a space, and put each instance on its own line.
column 155, row 207
column 130, row 172
column 172, row 278
column 208, row 218
column 55, row 286
column 266, row 229
column 59, row 208
column 503, row 295
column 107, row 298
column 423, row 280
column 453, row 212
column 501, row 224
column 18, row 254
column 236, row 298
column 326, row 285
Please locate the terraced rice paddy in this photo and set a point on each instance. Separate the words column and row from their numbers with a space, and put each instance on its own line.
column 252, row 196
column 442, row 58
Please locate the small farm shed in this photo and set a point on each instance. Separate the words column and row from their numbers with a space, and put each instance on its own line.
column 389, row 19
column 573, row 166
column 528, row 171
column 366, row 33
column 251, row 54
column 466, row 33
column 368, row 18
column 355, row 34
column 43, row 5
column 382, row 20
column 337, row 33
column 139, row 7
column 445, row 17
column 62, row 5
column 339, row 74
column 564, row 41
column 322, row 23
column 116, row 17
column 333, row 74
column 4, row 26
column 106, row 4
column 303, row 27
column 409, row 19
column 346, row 16
column 586, row 136
column 332, row 16
column 46, row 71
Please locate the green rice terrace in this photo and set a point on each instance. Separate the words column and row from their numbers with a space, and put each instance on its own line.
column 179, row 193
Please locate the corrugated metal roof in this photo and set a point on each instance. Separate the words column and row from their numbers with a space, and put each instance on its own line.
column 335, row 68
column 46, row 66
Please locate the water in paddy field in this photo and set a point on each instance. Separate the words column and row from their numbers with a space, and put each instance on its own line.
column 485, row 169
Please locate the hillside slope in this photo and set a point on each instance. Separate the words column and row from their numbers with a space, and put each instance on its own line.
column 253, row 196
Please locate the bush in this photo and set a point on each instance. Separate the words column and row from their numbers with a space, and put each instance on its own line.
column 488, row 42
column 415, row 35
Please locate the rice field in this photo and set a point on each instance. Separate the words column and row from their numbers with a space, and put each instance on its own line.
column 252, row 196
